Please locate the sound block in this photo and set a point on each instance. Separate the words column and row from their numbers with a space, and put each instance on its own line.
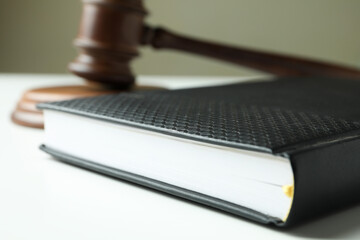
column 26, row 113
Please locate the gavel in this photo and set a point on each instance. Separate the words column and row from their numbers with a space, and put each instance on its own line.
column 111, row 31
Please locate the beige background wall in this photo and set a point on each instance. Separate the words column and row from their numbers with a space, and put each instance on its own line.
column 36, row 36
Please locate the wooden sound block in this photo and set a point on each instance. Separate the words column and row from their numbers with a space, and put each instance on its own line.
column 26, row 113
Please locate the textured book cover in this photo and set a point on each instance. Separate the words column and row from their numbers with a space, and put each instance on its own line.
column 313, row 122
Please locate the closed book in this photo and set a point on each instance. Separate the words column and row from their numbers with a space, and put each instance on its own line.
column 277, row 152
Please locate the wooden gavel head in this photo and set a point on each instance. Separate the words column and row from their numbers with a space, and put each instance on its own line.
column 108, row 39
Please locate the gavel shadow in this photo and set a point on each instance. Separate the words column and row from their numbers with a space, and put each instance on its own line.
column 344, row 224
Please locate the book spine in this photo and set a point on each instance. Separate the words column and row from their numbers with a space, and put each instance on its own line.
column 326, row 179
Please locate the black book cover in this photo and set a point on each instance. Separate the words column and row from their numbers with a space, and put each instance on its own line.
column 315, row 122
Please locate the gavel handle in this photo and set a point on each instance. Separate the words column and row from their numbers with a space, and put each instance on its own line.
column 277, row 64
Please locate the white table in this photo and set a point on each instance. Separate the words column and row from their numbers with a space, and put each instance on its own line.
column 41, row 198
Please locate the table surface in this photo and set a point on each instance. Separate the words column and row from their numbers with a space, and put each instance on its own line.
column 41, row 198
